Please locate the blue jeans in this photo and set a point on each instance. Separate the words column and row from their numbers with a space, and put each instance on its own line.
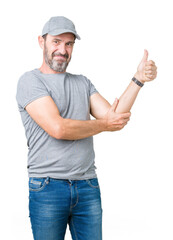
column 54, row 203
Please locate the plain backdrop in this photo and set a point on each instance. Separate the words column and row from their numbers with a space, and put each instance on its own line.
column 134, row 166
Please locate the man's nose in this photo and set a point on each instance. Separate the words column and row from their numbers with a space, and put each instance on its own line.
column 62, row 48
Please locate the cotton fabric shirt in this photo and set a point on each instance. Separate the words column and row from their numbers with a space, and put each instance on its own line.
column 48, row 156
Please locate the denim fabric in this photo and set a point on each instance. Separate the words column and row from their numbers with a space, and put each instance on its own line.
column 56, row 203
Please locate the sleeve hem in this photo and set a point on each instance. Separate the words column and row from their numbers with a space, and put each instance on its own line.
column 95, row 91
column 32, row 99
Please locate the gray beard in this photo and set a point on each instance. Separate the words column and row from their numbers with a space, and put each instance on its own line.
column 53, row 64
column 57, row 66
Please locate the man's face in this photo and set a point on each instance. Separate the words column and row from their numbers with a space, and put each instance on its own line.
column 58, row 50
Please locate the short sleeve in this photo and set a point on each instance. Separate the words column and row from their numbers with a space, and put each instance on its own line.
column 92, row 88
column 29, row 88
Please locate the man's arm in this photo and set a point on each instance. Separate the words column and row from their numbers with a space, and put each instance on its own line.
column 127, row 99
column 146, row 71
column 100, row 106
column 46, row 114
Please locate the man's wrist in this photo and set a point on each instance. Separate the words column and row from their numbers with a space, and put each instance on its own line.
column 137, row 76
column 140, row 84
column 102, row 124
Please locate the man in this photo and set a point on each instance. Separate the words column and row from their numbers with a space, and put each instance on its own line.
column 55, row 108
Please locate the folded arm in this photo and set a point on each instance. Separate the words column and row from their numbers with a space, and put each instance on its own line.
column 46, row 114
column 108, row 117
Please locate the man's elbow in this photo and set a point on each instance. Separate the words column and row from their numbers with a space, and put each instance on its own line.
column 57, row 131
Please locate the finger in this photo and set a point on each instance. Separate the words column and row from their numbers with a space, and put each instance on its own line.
column 116, row 128
column 123, row 125
column 145, row 56
column 115, row 104
column 150, row 70
column 151, row 73
column 155, row 75
column 120, row 126
column 147, row 78
column 149, row 63
column 150, row 67
column 126, row 119
column 125, row 115
column 122, row 121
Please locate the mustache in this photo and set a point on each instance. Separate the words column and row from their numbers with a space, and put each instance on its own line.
column 66, row 55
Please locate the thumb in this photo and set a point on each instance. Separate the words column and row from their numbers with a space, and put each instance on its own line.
column 145, row 57
column 115, row 104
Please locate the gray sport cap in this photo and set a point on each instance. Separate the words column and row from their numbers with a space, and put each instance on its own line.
column 58, row 25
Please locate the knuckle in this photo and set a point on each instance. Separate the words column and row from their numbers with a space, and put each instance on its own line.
column 152, row 62
column 149, row 67
column 117, row 128
column 119, row 118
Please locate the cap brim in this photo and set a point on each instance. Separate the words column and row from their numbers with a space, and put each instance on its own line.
column 61, row 31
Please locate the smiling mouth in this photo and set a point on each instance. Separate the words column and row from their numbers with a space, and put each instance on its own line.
column 59, row 57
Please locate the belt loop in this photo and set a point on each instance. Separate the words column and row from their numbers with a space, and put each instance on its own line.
column 70, row 181
column 47, row 180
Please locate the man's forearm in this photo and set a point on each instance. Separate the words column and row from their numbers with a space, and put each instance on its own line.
column 127, row 99
column 78, row 129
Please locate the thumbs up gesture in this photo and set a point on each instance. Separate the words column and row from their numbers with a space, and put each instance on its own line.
column 147, row 70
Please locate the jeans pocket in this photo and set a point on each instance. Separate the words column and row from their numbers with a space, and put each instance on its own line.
column 37, row 184
column 93, row 182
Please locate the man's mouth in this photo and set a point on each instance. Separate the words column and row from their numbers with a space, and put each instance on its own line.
column 59, row 57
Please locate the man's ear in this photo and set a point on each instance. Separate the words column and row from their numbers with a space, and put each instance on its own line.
column 41, row 41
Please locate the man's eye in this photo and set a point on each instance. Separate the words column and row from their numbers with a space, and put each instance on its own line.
column 70, row 44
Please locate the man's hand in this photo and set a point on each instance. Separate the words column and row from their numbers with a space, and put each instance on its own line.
column 115, row 121
column 147, row 70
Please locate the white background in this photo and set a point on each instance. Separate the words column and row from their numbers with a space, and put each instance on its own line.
column 134, row 166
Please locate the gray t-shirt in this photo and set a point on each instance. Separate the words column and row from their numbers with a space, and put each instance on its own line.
column 48, row 156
